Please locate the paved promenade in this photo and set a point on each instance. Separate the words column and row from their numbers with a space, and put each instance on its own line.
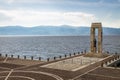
column 74, row 68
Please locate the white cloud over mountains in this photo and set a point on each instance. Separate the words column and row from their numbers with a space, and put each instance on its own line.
column 32, row 18
column 4, row 18
column 59, row 12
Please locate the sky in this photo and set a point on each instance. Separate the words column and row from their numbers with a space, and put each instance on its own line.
column 75, row 13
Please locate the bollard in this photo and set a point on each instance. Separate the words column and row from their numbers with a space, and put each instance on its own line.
column 115, row 53
column 24, row 57
column 11, row 56
column 60, row 57
column 40, row 58
column 82, row 52
column 70, row 55
column 54, row 58
column 65, row 55
column 102, row 64
column 74, row 54
column 31, row 57
column 18, row 56
column 6, row 55
column 48, row 59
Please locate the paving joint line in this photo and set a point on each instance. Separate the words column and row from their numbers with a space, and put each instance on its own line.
column 9, row 74
column 84, row 73
column 44, row 73
column 5, row 59
column 103, row 75
column 4, row 67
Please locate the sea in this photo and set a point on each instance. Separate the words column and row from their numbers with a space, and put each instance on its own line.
column 53, row 46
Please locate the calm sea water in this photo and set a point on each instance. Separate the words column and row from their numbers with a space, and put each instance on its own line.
column 50, row 46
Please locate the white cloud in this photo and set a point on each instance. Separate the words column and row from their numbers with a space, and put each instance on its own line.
column 4, row 18
column 30, row 1
column 32, row 18
column 112, row 23
column 31, row 4
column 10, row 1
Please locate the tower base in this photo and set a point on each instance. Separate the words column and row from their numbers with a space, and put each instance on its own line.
column 98, row 55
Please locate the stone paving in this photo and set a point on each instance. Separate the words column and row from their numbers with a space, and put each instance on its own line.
column 93, row 71
column 72, row 64
column 102, row 74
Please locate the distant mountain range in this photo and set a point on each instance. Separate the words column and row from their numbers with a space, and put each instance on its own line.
column 53, row 30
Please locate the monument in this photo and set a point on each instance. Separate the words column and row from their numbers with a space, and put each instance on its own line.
column 96, row 46
column 96, row 41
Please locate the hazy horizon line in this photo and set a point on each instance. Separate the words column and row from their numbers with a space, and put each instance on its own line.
column 52, row 26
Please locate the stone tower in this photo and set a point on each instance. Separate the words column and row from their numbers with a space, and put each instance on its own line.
column 96, row 46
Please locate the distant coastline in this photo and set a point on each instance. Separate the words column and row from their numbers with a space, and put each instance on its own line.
column 53, row 31
column 52, row 35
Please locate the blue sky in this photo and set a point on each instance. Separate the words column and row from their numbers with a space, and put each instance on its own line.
column 59, row 12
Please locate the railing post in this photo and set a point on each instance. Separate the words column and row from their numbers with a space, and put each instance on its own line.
column 24, row 57
column 60, row 57
column 11, row 56
column 6, row 55
column 74, row 54
column 31, row 57
column 40, row 58
column 18, row 56
column 48, row 59
column 54, row 58
column 82, row 52
column 65, row 55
